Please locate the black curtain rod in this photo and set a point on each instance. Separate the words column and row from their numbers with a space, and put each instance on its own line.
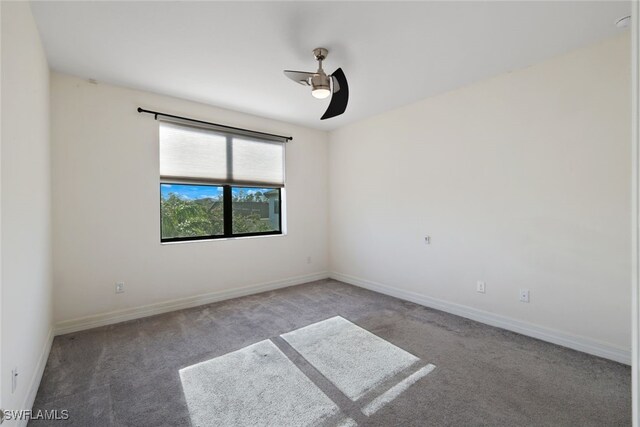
column 156, row 114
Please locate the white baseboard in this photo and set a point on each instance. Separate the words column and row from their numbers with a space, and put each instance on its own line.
column 34, row 384
column 94, row 321
column 575, row 342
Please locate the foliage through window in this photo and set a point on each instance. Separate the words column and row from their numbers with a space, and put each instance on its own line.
column 216, row 184
column 191, row 212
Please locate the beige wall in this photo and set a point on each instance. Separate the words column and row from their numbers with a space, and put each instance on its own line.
column 106, row 207
column 522, row 181
column 25, row 199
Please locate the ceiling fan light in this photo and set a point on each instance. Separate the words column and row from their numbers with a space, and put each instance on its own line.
column 320, row 92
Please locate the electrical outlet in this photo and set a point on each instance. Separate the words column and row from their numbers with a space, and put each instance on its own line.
column 14, row 379
column 524, row 295
column 480, row 287
column 119, row 287
column 427, row 240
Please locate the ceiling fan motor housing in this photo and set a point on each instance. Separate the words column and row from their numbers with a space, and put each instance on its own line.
column 320, row 81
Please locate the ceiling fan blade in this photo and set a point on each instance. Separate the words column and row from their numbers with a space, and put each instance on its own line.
column 301, row 77
column 340, row 97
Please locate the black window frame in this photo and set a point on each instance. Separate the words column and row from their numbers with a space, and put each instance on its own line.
column 227, row 215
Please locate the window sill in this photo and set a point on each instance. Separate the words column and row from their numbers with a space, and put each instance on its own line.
column 224, row 239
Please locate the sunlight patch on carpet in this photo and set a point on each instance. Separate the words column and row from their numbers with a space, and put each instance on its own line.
column 396, row 390
column 257, row 385
column 260, row 386
column 352, row 358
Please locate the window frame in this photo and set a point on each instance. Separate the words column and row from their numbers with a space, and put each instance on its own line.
column 227, row 215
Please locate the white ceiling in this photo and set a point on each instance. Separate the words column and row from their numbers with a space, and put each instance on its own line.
column 231, row 54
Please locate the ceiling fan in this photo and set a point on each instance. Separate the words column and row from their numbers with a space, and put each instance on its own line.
column 323, row 85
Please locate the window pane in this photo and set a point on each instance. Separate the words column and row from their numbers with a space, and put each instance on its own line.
column 255, row 210
column 191, row 210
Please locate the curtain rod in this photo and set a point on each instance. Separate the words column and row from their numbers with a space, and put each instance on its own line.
column 231, row 128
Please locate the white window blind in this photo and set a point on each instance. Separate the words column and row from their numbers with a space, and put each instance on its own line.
column 197, row 154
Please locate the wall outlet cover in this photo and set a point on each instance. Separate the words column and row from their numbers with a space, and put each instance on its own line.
column 480, row 287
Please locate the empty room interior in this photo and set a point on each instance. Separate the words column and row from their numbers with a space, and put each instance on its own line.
column 318, row 213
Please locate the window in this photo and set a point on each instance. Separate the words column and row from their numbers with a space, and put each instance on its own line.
column 215, row 184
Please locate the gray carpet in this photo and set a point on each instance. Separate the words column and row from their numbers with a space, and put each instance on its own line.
column 128, row 374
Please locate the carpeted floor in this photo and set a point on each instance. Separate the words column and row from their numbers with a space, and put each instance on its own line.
column 129, row 374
